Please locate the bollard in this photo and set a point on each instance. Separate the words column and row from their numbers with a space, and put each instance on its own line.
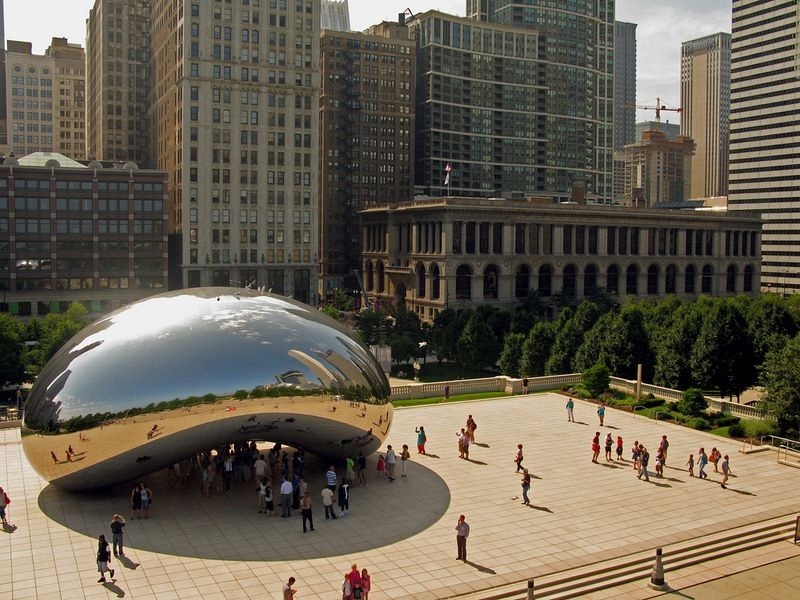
column 657, row 578
column 530, row 589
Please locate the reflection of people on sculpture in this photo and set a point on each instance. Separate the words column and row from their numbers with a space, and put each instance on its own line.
column 54, row 457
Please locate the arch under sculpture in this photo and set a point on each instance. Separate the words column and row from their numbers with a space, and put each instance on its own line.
column 185, row 371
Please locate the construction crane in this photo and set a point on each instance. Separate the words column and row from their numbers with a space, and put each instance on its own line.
column 658, row 108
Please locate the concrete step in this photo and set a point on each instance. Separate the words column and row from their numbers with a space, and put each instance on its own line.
column 637, row 567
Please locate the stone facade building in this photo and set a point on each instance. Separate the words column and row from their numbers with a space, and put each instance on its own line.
column 437, row 253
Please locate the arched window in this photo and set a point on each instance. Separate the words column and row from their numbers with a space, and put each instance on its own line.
column 570, row 281
column 670, row 279
column 690, row 279
column 545, row 286
column 522, row 281
column 490, row 278
column 369, row 277
column 747, row 284
column 380, row 283
column 589, row 279
column 463, row 283
column 435, row 281
column 652, row 280
column 730, row 279
column 706, row 279
column 632, row 280
column 421, row 281
column 612, row 280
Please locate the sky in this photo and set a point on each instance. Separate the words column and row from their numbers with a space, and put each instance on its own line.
column 662, row 26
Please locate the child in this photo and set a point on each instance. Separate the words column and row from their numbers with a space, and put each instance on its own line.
column 518, row 458
column 619, row 447
column 660, row 463
column 381, row 465
column 262, row 495
column 344, row 499
column 268, row 499
column 690, row 464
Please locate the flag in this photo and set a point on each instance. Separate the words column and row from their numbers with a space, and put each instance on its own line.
column 447, row 170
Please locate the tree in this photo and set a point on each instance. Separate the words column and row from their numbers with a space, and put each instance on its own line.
column 770, row 325
column 692, row 402
column 566, row 344
column 781, row 378
column 511, row 356
column 596, row 379
column 405, row 336
column 447, row 328
column 673, row 353
column 473, row 342
column 722, row 355
column 12, row 370
column 536, row 348
column 590, row 350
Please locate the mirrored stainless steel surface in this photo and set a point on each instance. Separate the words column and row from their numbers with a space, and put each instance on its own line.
column 185, row 371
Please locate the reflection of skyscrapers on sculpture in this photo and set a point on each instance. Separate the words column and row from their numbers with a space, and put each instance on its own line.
column 206, row 366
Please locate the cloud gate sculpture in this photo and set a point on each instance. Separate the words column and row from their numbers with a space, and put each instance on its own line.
column 187, row 371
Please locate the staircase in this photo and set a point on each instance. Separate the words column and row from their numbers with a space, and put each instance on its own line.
column 637, row 567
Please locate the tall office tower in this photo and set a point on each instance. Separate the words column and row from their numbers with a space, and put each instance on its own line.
column 657, row 170
column 706, row 102
column 237, row 126
column 46, row 99
column 517, row 99
column 367, row 137
column 3, row 100
column 118, row 81
column 624, row 84
column 335, row 15
column 763, row 173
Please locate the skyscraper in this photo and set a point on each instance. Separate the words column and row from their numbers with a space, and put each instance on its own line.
column 3, row 106
column 118, row 81
column 658, row 170
column 335, row 15
column 705, row 100
column 517, row 98
column 624, row 84
column 235, row 108
column 47, row 99
column 367, row 137
column 764, row 137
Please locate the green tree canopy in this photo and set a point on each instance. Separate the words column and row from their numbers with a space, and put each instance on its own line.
column 781, row 377
column 536, row 348
column 511, row 356
column 12, row 370
column 474, row 341
column 692, row 402
column 596, row 379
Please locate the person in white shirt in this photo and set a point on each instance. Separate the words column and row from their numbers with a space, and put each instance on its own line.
column 286, row 498
column 391, row 461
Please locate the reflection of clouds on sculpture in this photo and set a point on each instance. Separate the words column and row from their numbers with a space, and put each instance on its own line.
column 203, row 345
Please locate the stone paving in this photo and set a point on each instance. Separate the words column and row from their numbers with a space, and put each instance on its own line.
column 403, row 532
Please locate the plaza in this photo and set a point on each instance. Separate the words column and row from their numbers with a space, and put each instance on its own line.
column 581, row 514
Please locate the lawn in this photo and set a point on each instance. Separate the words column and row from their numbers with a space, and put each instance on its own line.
column 440, row 399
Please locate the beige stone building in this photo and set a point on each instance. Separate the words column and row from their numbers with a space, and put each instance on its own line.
column 46, row 99
column 705, row 103
column 436, row 253
column 658, row 170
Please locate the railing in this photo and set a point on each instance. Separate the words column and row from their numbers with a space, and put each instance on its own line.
column 635, row 407
column 488, row 384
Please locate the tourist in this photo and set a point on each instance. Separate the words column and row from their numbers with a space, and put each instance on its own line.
column 595, row 446
column 421, row 439
column 117, row 523
column 644, row 458
column 714, row 458
column 349, row 469
column 344, row 499
column 136, row 503
column 104, row 560
column 608, row 444
column 330, row 478
column 270, row 501
column 381, row 466
column 690, row 464
column 361, row 461
column 262, row 495
column 525, row 385
column 461, row 435
column 702, row 461
column 146, row 496
column 286, row 498
column 726, row 470
column 5, row 500
column 366, row 584
column 54, row 457
column 227, row 471
column 659, row 462
column 391, row 461
column 518, row 458
column 305, row 508
column 446, row 392
column 471, row 427
column 404, row 456
column 601, row 413
column 465, row 442
column 347, row 588
column 664, row 447
column 260, row 468
column 526, row 485
column 570, row 407
column 288, row 590
column 619, row 447
column 355, row 582
column 462, row 533
column 635, row 454
column 327, row 503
